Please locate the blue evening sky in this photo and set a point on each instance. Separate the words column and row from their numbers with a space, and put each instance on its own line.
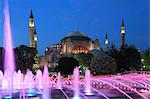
column 55, row 18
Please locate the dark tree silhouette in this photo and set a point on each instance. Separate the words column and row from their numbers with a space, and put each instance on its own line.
column 67, row 64
column 127, row 58
column 131, row 58
column 101, row 63
column 146, row 61
column 84, row 61
column 115, row 53
column 24, row 57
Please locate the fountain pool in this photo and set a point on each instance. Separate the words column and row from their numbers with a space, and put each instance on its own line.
column 127, row 86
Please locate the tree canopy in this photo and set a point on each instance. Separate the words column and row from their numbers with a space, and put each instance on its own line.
column 101, row 63
column 66, row 65
column 24, row 57
column 84, row 60
column 146, row 61
column 128, row 58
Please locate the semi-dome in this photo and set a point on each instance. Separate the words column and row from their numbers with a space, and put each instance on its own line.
column 76, row 33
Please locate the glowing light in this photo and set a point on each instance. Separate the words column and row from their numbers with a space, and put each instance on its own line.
column 35, row 38
column 106, row 42
column 31, row 94
column 77, row 97
column 7, row 97
column 31, row 23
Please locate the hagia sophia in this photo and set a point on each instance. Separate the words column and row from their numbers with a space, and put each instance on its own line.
column 77, row 42
column 73, row 43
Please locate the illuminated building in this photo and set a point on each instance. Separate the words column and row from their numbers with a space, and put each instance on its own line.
column 73, row 43
column 51, row 57
column 78, row 42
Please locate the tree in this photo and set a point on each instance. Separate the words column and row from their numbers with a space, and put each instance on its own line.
column 127, row 58
column 115, row 53
column 84, row 60
column 101, row 63
column 131, row 58
column 146, row 61
column 24, row 57
column 66, row 65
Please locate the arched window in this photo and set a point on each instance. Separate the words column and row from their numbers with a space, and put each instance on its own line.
column 79, row 49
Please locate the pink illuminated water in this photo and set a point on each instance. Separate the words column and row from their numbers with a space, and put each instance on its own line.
column 59, row 82
column 76, row 82
column 46, row 84
column 27, row 85
column 88, row 82
column 9, row 63
column 39, row 80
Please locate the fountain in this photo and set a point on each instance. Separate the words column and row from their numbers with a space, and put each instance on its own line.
column 46, row 84
column 29, row 81
column 59, row 85
column 38, row 81
column 9, row 63
column 88, row 82
column 76, row 78
column 18, row 86
column 39, row 86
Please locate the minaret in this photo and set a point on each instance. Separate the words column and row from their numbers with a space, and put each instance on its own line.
column 33, row 36
column 35, row 39
column 32, row 30
column 35, row 46
column 106, row 41
column 123, row 34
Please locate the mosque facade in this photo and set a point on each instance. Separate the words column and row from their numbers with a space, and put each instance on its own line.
column 73, row 43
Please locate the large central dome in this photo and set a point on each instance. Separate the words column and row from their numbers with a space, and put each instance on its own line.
column 77, row 36
column 76, row 33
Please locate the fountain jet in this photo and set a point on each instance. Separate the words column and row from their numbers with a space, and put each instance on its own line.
column 76, row 83
column 9, row 64
column 88, row 82
column 59, row 85
column 46, row 84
